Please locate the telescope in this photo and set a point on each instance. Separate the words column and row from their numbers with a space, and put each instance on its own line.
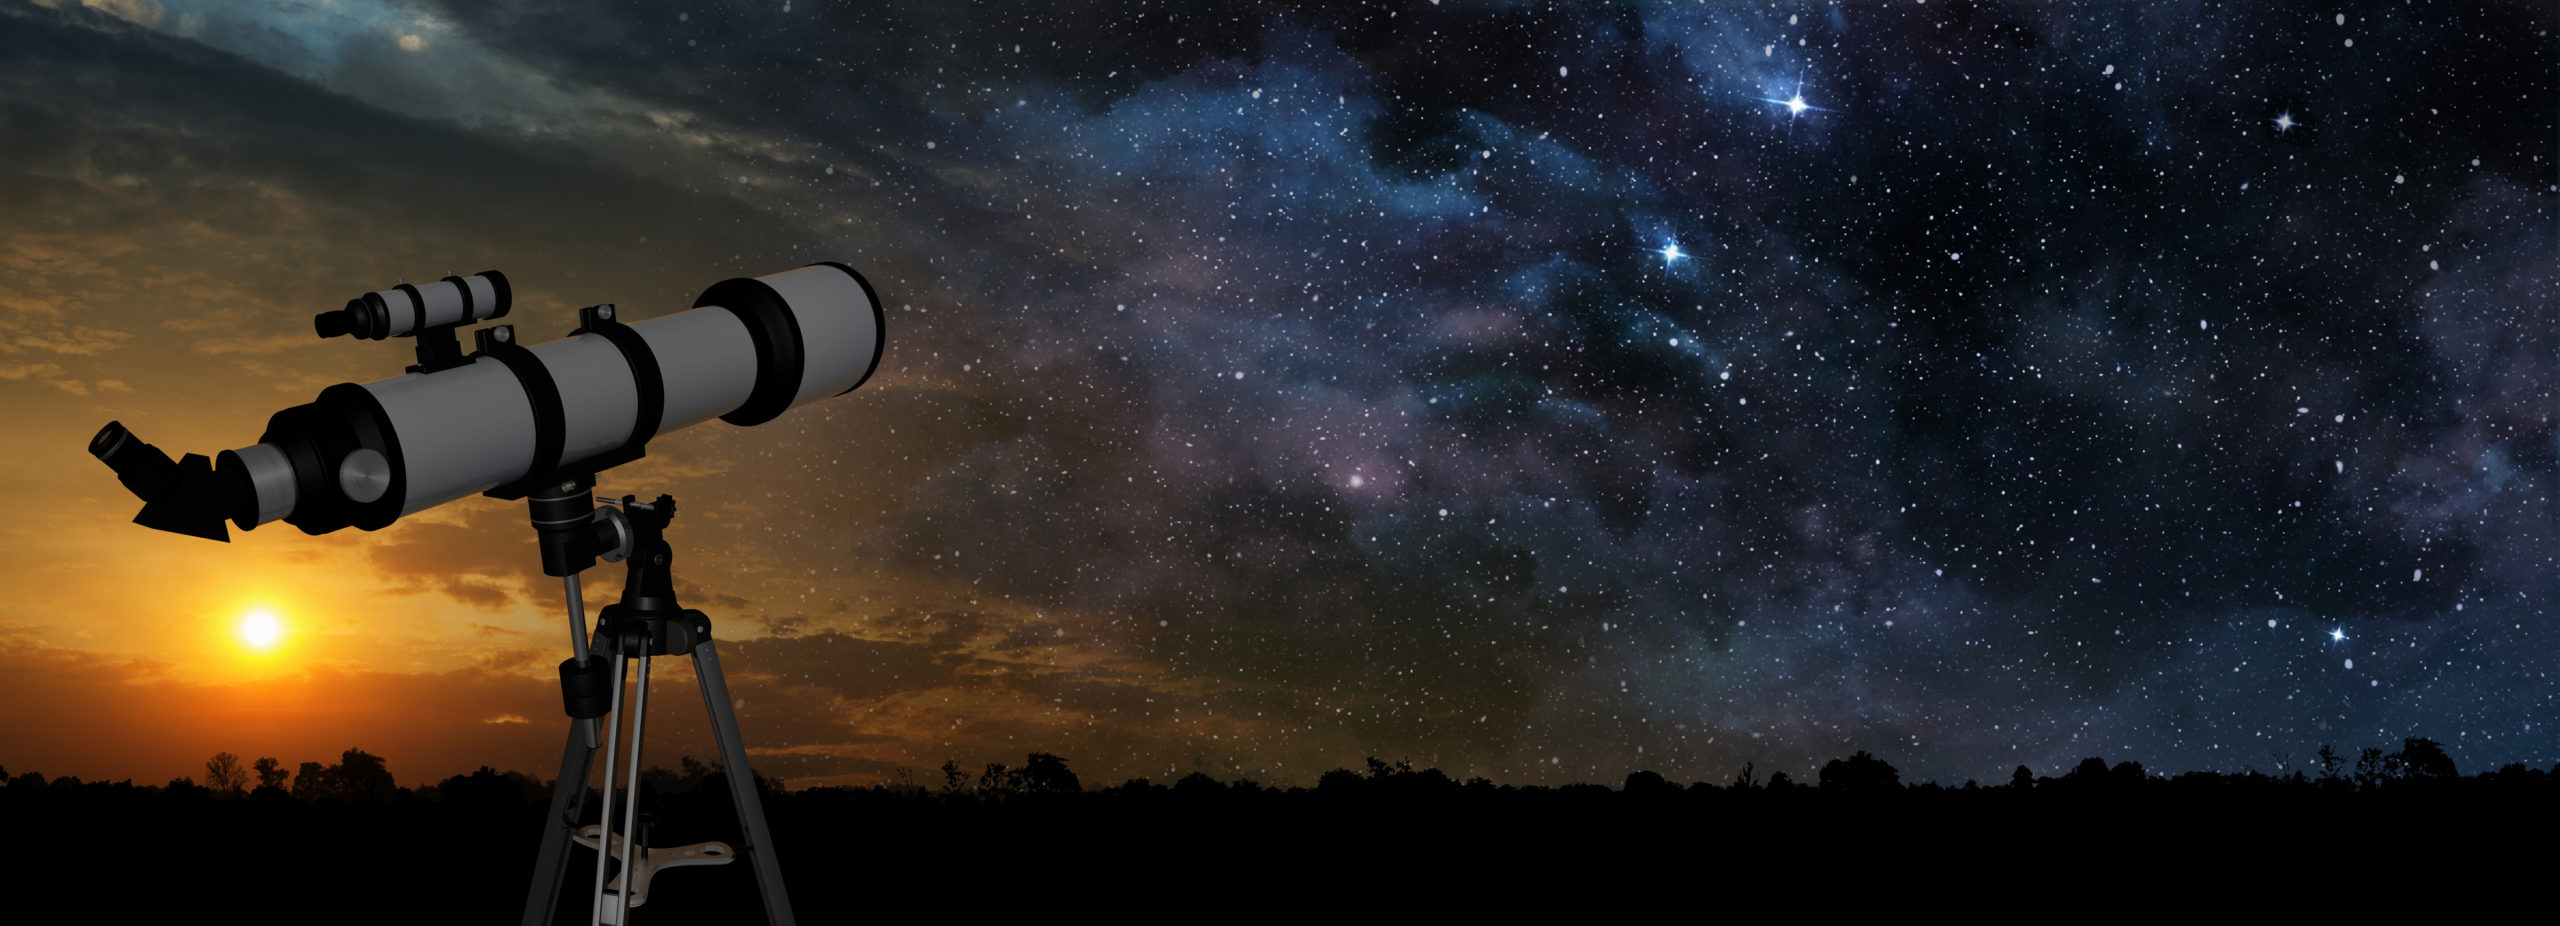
column 506, row 419
column 539, row 423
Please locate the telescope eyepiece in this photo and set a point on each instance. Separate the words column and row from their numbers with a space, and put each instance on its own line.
column 184, row 497
column 109, row 440
column 335, row 324
column 144, row 469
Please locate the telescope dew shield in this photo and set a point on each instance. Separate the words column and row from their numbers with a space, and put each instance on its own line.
column 509, row 418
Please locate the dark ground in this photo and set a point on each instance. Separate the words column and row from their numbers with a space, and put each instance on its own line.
column 1410, row 844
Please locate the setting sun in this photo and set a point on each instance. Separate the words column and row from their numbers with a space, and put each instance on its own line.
column 261, row 629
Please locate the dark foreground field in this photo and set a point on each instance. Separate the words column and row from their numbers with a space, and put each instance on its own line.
column 1391, row 846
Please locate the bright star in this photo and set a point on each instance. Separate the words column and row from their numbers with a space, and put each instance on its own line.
column 1795, row 104
column 2284, row 122
column 2337, row 635
column 1671, row 252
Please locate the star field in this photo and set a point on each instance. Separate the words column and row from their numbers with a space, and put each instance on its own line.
column 1550, row 391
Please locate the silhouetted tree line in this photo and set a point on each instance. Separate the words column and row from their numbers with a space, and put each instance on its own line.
column 359, row 776
column 347, row 829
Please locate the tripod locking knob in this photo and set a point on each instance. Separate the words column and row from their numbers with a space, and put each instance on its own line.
column 586, row 691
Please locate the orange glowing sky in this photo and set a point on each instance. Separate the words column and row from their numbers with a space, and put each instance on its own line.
column 175, row 217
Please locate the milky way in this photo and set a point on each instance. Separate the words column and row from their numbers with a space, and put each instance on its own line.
column 1549, row 392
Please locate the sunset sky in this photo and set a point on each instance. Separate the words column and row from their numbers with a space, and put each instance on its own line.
column 1532, row 393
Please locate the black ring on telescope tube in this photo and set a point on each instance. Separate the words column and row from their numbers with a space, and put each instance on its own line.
column 879, row 321
column 652, row 384
column 550, row 423
column 464, row 287
column 776, row 336
column 376, row 315
column 506, row 295
column 417, row 307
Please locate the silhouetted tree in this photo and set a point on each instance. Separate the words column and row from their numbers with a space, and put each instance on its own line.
column 1746, row 781
column 1860, row 773
column 688, row 774
column 2369, row 769
column 2090, row 774
column 1427, row 781
column 311, row 782
column 1046, row 772
column 271, row 773
column 223, row 774
column 2330, row 761
column 953, row 779
column 358, row 775
column 1198, row 784
column 489, row 786
column 995, row 780
column 2128, row 777
column 1649, row 783
column 2022, row 779
column 2421, row 758
column 901, row 779
column 1339, row 781
column 1778, row 781
column 363, row 776
column 1136, row 787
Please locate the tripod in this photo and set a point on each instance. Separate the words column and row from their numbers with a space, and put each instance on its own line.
column 647, row 622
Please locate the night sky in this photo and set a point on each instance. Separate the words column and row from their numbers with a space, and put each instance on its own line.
column 1535, row 391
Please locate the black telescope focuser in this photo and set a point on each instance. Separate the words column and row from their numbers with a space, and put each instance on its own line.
column 507, row 420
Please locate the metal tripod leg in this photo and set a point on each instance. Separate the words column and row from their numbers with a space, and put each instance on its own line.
column 742, row 781
column 568, row 802
column 569, row 791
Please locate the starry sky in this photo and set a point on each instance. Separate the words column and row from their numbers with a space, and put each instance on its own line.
column 1535, row 391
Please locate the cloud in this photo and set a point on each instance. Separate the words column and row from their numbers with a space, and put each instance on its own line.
column 50, row 374
column 79, row 341
column 138, row 12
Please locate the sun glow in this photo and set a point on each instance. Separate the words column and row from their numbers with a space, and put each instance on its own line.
column 261, row 629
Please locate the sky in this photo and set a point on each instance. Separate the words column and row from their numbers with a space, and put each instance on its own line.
column 1535, row 391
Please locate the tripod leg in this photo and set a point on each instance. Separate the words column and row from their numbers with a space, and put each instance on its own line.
column 568, row 803
column 742, row 781
column 631, row 876
column 604, row 818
